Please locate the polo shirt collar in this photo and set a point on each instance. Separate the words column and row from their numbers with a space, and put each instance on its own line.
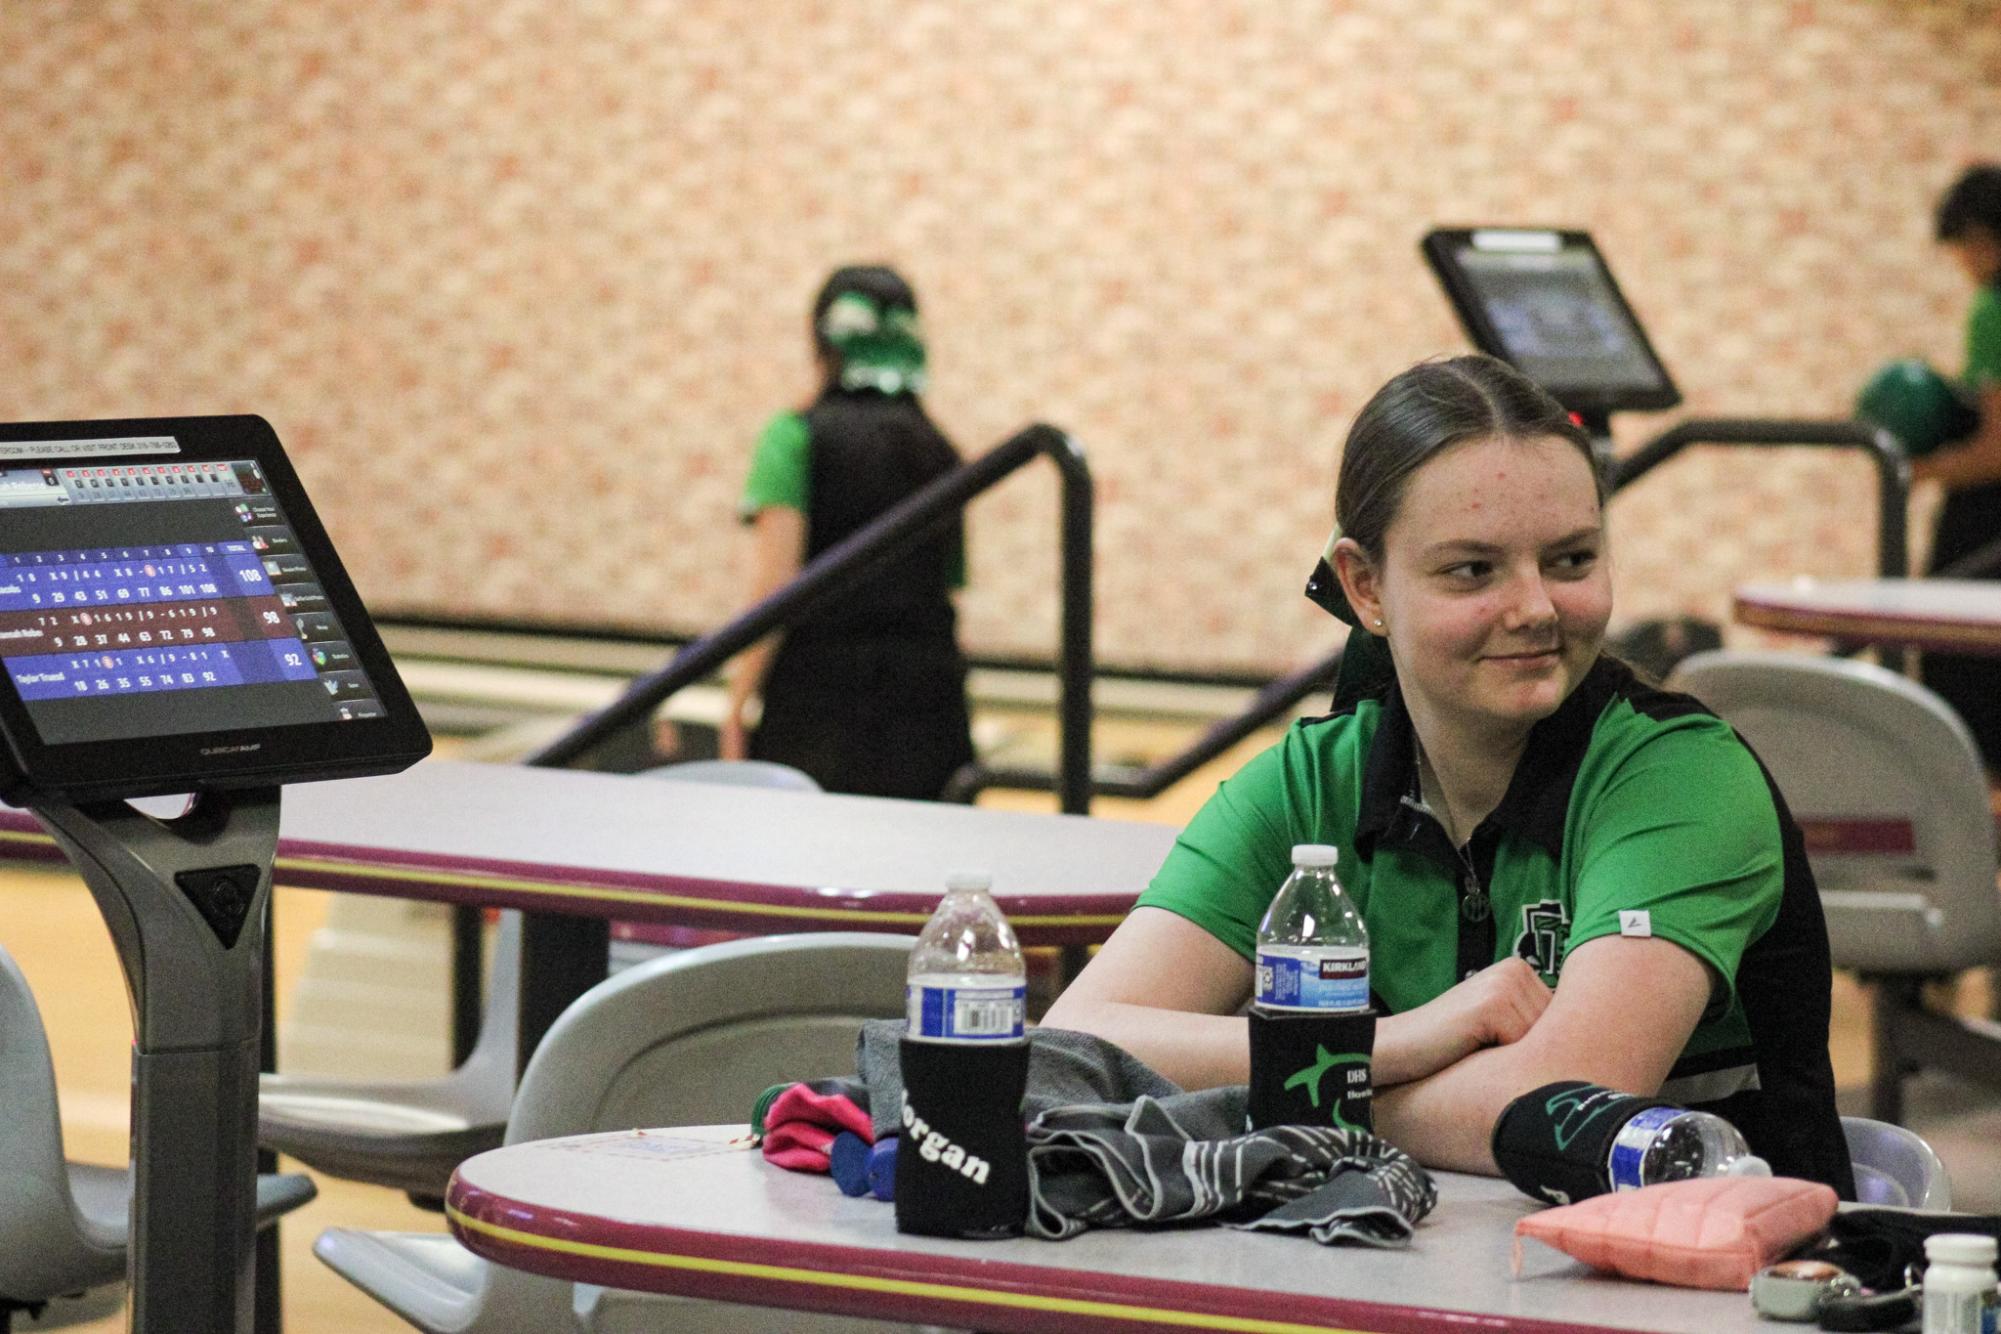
column 1537, row 802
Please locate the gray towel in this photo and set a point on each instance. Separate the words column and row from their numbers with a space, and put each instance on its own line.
column 1112, row 1143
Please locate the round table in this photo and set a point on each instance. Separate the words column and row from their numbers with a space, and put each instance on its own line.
column 1956, row 615
column 696, row 1211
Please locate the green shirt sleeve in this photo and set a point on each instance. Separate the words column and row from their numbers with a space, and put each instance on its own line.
column 1228, row 863
column 1983, row 340
column 1681, row 841
column 781, row 469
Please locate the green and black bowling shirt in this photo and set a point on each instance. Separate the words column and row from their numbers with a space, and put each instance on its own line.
column 1634, row 811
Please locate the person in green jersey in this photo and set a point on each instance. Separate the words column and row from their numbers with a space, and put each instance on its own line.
column 867, row 692
column 1969, row 227
column 1565, row 872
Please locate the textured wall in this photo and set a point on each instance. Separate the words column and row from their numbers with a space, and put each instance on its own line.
column 518, row 282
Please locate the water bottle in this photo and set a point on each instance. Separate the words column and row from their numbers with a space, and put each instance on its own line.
column 1313, row 948
column 1959, row 1283
column 1570, row 1140
column 967, row 981
column 1312, row 1031
column 962, row 1169
column 1674, row 1144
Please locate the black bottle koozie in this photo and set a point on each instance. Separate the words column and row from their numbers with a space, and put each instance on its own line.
column 962, row 1169
column 1311, row 1069
column 1555, row 1142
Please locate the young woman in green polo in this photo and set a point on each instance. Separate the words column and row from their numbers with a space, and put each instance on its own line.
column 1566, row 873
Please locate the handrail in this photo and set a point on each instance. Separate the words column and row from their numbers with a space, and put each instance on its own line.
column 855, row 558
column 1893, row 466
column 1272, row 701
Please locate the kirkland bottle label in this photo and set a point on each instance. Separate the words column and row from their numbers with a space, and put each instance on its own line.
column 967, row 1014
column 1313, row 980
column 1629, row 1148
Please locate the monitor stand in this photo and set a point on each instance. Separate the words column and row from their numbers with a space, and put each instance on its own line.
column 185, row 900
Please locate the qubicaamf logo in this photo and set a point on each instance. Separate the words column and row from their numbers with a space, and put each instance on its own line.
column 243, row 749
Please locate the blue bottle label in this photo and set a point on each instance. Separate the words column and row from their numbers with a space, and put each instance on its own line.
column 967, row 1014
column 1299, row 979
column 1629, row 1149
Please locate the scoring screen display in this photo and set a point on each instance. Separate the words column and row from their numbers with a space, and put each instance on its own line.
column 155, row 599
column 1559, row 318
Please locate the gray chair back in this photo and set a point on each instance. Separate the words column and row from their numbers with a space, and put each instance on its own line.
column 736, row 773
column 692, row 1038
column 47, row 1245
column 1894, row 1166
column 1889, row 790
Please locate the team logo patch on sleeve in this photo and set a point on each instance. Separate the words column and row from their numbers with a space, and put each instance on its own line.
column 1545, row 926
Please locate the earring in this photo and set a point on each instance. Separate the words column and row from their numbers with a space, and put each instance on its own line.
column 1379, row 622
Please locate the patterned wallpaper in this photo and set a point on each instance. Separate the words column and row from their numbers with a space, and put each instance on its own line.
column 518, row 282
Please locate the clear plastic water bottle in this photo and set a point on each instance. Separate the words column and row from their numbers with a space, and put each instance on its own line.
column 1674, row 1144
column 967, row 981
column 1313, row 948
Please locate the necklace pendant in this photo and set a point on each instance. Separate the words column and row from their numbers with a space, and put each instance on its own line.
column 1476, row 906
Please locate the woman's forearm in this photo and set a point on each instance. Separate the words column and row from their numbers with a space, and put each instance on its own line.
column 1194, row 1050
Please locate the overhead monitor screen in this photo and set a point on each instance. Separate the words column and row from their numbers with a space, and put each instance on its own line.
column 1545, row 302
column 163, row 607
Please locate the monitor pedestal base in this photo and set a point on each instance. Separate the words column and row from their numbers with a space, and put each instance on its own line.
column 185, row 900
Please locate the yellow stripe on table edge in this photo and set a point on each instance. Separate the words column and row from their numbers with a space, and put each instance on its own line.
column 551, row 889
column 901, row 1287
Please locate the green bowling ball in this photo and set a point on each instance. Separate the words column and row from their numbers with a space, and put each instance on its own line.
column 1913, row 402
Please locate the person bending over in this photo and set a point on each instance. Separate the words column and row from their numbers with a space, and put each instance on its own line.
column 1566, row 873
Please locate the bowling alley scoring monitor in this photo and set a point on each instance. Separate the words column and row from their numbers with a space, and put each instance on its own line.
column 172, row 616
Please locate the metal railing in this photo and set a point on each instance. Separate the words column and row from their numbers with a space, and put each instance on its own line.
column 1893, row 467
column 855, row 559
column 1272, row 702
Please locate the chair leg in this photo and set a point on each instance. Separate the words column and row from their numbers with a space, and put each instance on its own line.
column 1888, row 996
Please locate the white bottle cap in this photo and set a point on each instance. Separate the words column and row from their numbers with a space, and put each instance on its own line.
column 1315, row 854
column 1747, row 1165
column 961, row 880
column 1960, row 1248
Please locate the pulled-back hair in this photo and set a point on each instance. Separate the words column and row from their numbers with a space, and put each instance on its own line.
column 1426, row 410
column 1974, row 200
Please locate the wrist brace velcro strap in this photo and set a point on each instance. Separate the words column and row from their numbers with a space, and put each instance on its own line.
column 962, row 1168
column 1555, row 1142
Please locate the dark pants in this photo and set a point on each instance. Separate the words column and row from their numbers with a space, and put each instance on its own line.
column 874, row 716
column 1971, row 685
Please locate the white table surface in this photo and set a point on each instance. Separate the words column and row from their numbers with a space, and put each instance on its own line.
column 737, row 858
column 697, row 1211
column 1962, row 614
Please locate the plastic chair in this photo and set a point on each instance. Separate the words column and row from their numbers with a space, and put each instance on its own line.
column 1895, row 1166
column 64, row 1226
column 1889, row 790
column 688, row 1038
column 737, row 773
column 406, row 1134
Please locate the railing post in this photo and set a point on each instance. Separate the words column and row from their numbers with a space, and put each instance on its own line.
column 1073, row 658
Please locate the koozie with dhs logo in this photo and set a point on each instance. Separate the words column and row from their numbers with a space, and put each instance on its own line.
column 962, row 1169
column 1311, row 1069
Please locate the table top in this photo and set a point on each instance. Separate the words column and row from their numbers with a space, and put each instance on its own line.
column 700, row 855
column 1962, row 615
column 697, row 1211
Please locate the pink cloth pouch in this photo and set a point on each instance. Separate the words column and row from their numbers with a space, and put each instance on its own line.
column 1712, row 1232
